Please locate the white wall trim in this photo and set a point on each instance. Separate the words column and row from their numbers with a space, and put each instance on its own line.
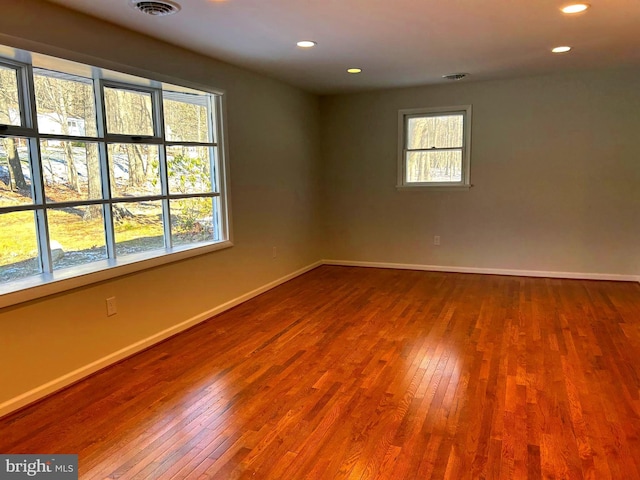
column 43, row 285
column 487, row 271
column 72, row 377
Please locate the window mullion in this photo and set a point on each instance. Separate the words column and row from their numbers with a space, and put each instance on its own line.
column 434, row 149
column 189, row 144
column 212, row 112
column 222, row 211
column 66, row 138
column 140, row 139
column 105, row 176
column 164, row 170
column 42, row 219
column 213, row 169
column 29, row 106
column 25, row 97
column 37, row 181
column 44, row 246
column 212, row 150
column 157, row 113
column 107, row 209
column 166, row 206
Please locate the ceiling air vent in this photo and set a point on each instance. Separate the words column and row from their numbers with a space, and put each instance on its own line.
column 455, row 76
column 157, row 8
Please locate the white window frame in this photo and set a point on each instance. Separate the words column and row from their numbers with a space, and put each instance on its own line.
column 403, row 119
column 55, row 281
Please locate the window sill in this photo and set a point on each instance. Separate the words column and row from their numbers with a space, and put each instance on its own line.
column 438, row 188
column 42, row 285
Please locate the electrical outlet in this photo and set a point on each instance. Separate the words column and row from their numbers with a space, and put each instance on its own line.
column 274, row 253
column 436, row 239
column 112, row 307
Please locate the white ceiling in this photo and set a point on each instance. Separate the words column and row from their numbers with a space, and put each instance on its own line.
column 395, row 42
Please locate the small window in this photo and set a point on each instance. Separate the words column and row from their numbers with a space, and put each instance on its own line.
column 71, row 171
column 129, row 112
column 434, row 148
column 10, row 113
column 134, row 170
column 187, row 117
column 65, row 104
column 15, row 173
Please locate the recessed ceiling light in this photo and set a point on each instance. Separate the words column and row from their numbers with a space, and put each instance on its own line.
column 354, row 70
column 561, row 49
column 306, row 43
column 575, row 8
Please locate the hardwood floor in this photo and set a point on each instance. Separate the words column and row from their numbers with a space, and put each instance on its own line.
column 369, row 374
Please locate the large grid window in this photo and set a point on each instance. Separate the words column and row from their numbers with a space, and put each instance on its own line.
column 96, row 173
column 434, row 147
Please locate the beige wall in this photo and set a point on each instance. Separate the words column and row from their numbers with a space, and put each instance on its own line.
column 274, row 160
column 555, row 166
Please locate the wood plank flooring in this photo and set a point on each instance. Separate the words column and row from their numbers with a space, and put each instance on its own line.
column 369, row 374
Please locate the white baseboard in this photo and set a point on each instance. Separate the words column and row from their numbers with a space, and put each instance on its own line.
column 65, row 380
column 487, row 271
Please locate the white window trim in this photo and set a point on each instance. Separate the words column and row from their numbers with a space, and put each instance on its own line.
column 19, row 51
column 32, row 288
column 403, row 117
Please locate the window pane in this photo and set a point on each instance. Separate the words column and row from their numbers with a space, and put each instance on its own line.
column 71, row 170
column 189, row 169
column 18, row 246
column 434, row 166
column 138, row 227
column 441, row 131
column 15, row 172
column 9, row 100
column 186, row 117
column 65, row 105
column 134, row 170
column 128, row 112
column 76, row 235
column 192, row 220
